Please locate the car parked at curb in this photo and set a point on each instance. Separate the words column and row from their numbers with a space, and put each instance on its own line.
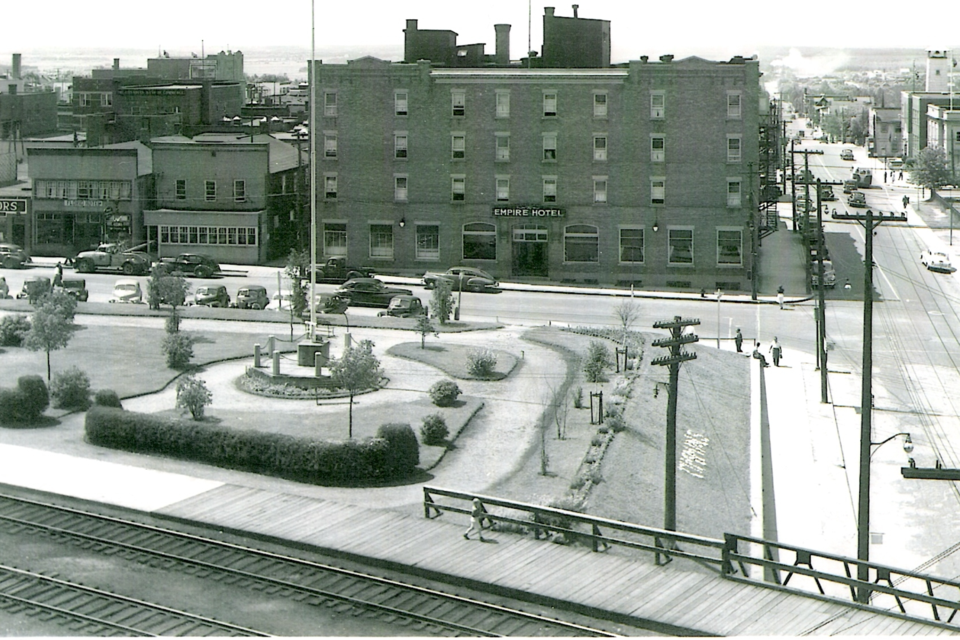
column 212, row 295
column 369, row 292
column 75, row 287
column 12, row 256
column 937, row 261
column 113, row 257
column 34, row 287
column 404, row 307
column 473, row 279
column 190, row 264
column 252, row 297
column 127, row 290
column 327, row 304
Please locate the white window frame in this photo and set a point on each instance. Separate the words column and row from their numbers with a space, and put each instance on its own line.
column 330, row 145
column 739, row 232
column 575, row 236
column 401, row 187
column 734, row 148
column 335, row 249
column 458, row 145
column 210, row 190
column 549, row 147
column 330, row 180
column 658, row 105
column 458, row 103
column 550, row 101
column 600, row 104
column 330, row 102
column 379, row 250
column 502, row 103
column 620, row 246
column 178, row 193
column 239, row 191
column 658, row 155
column 734, row 105
column 401, row 100
column 502, row 188
column 670, row 232
column 458, row 187
column 658, row 190
column 549, row 189
column 427, row 252
column 601, row 186
column 600, row 141
column 400, row 142
column 734, row 197
column 502, row 147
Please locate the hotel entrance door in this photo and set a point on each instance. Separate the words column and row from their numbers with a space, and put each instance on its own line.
column 530, row 251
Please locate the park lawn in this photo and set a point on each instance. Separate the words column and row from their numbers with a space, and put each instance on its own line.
column 452, row 359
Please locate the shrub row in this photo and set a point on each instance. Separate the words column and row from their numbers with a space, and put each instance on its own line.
column 394, row 453
column 26, row 403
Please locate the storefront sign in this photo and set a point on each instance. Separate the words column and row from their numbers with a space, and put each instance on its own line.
column 528, row 212
column 9, row 206
column 118, row 221
column 84, row 204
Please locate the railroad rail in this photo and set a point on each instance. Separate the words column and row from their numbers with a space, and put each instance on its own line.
column 436, row 612
column 104, row 613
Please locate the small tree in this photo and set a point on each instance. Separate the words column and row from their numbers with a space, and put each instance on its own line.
column 51, row 325
column 193, row 395
column 70, row 389
column 932, row 170
column 178, row 348
column 597, row 361
column 627, row 313
column 13, row 329
column 356, row 370
column 171, row 290
column 298, row 270
column 441, row 302
column 482, row 363
column 434, row 429
column 425, row 327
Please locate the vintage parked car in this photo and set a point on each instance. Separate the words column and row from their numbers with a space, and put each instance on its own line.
column 127, row 290
column 369, row 292
column 404, row 307
column 252, row 297
column 12, row 256
column 327, row 304
column 857, row 199
column 76, row 287
column 113, row 257
column 937, row 261
column 847, row 154
column 190, row 264
column 34, row 287
column 212, row 295
column 337, row 271
column 473, row 279
column 829, row 275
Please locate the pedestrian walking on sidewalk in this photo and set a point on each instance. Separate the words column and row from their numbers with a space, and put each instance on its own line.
column 906, row 201
column 776, row 351
column 780, row 297
column 475, row 515
column 58, row 277
column 759, row 356
column 901, row 175
column 738, row 340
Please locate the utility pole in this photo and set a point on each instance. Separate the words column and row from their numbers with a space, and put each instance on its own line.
column 797, row 220
column 866, row 409
column 676, row 340
column 822, row 312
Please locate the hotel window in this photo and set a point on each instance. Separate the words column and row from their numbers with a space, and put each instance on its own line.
column 549, row 189
column 631, row 244
column 503, row 188
column 381, row 241
column 210, row 190
column 503, row 104
column 657, row 105
column 733, row 192
column 335, row 239
column 458, row 102
column 330, row 104
column 181, row 190
column 733, row 148
column 330, row 186
column 600, row 105
column 458, row 146
column 239, row 191
column 550, row 147
column 458, row 188
column 400, row 145
column 581, row 243
column 428, row 242
column 550, row 104
column 729, row 247
column 658, row 188
column 330, row 144
column 658, row 145
column 503, row 147
column 600, row 147
column 400, row 103
column 400, row 188
column 734, row 99
column 680, row 246
column 600, row 189
column 479, row 241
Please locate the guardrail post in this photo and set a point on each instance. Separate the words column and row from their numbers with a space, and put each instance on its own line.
column 256, row 356
column 427, row 502
column 276, row 363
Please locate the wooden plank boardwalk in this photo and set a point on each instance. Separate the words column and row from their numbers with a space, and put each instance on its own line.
column 678, row 597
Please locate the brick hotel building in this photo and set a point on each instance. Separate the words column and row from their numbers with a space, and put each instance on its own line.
column 559, row 167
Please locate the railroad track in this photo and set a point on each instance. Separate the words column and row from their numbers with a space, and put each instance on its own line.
column 435, row 612
column 102, row 613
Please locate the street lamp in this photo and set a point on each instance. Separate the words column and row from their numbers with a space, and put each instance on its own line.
column 907, row 442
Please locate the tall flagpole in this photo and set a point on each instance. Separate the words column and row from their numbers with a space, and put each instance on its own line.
column 313, row 169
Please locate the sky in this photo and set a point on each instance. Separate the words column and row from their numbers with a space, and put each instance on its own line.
column 719, row 29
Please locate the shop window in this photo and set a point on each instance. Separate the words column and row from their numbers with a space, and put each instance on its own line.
column 479, row 241
column 581, row 243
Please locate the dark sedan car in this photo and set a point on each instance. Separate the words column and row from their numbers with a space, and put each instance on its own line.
column 190, row 264
column 370, row 292
column 76, row 287
column 214, row 295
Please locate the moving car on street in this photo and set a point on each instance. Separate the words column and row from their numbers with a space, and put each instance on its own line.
column 846, row 154
column 473, row 279
column 857, row 199
column 369, row 292
column 336, row 271
column 937, row 262
column 113, row 257
column 127, row 290
column 829, row 275
column 12, row 256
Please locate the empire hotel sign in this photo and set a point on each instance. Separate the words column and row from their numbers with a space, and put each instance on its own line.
column 527, row 212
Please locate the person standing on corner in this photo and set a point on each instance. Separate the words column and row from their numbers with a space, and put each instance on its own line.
column 475, row 514
column 776, row 351
column 738, row 340
column 780, row 297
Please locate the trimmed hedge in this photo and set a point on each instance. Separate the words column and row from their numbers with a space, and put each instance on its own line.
column 300, row 459
column 26, row 403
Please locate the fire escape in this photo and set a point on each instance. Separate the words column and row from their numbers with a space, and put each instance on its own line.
column 770, row 156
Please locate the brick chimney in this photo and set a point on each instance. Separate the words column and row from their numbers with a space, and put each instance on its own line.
column 503, row 44
column 15, row 71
